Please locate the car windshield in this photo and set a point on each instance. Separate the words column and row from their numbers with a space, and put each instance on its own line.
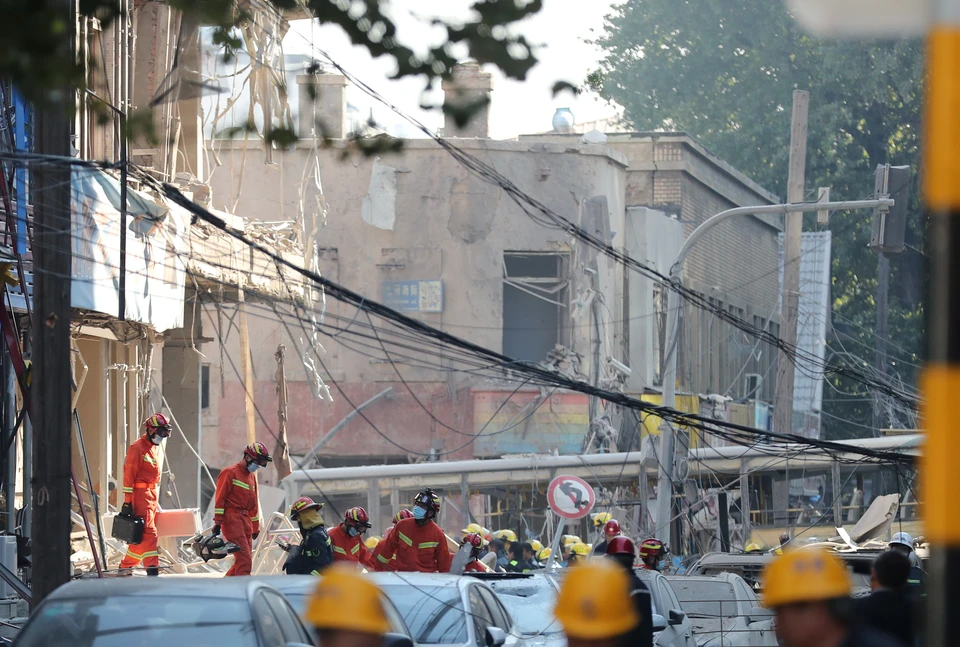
column 434, row 614
column 141, row 620
column 530, row 603
column 704, row 598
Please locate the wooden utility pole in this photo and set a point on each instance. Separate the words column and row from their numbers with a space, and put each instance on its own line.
column 792, row 239
column 51, row 386
column 281, row 457
column 246, row 365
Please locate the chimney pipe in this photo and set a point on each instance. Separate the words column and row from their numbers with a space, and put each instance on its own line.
column 325, row 114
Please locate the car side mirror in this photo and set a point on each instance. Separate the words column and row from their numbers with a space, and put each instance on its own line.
column 659, row 622
column 396, row 640
column 759, row 614
column 676, row 617
column 496, row 637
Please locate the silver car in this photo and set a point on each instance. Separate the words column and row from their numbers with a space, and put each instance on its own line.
column 671, row 626
column 530, row 598
column 724, row 610
column 444, row 609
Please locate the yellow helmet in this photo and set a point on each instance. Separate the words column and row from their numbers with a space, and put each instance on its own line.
column 581, row 549
column 569, row 540
column 371, row 542
column 753, row 547
column 544, row 554
column 805, row 575
column 506, row 535
column 347, row 601
column 600, row 518
column 473, row 527
column 594, row 602
column 536, row 545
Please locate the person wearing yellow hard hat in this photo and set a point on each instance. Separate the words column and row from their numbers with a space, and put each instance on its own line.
column 753, row 547
column 371, row 542
column 544, row 555
column 599, row 519
column 473, row 527
column 594, row 606
column 809, row 591
column 346, row 610
column 578, row 554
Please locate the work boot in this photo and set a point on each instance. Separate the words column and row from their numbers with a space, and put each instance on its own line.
column 124, row 572
column 153, row 571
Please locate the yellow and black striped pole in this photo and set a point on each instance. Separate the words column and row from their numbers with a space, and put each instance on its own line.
column 940, row 470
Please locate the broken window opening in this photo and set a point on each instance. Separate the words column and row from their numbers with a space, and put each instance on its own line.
column 535, row 303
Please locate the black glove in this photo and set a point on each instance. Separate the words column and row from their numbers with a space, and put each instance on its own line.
column 216, row 530
column 255, row 535
column 126, row 510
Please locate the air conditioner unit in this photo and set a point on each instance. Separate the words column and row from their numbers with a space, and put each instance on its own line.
column 751, row 385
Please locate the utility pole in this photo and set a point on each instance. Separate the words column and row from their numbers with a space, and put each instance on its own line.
column 880, row 335
column 792, row 239
column 51, row 390
column 281, row 455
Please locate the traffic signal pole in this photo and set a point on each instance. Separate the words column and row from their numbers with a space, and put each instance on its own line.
column 941, row 382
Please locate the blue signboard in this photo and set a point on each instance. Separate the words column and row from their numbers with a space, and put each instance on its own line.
column 413, row 296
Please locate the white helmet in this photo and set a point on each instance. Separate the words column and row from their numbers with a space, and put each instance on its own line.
column 902, row 538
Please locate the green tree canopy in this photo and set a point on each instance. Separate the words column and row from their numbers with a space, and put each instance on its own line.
column 724, row 71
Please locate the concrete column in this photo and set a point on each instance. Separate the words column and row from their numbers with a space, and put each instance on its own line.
column 468, row 89
column 745, row 499
column 181, row 388
column 373, row 506
column 322, row 111
column 191, row 124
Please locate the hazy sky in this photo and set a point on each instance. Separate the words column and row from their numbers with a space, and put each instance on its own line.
column 518, row 107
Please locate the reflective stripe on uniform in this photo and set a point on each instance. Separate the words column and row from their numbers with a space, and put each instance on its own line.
column 383, row 559
column 149, row 460
column 405, row 539
column 355, row 549
column 314, row 572
column 240, row 483
column 257, row 518
column 429, row 544
column 151, row 553
column 128, row 490
column 218, row 511
column 134, row 555
column 337, row 549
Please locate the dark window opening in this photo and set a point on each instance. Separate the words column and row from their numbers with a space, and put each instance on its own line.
column 535, row 299
column 205, row 386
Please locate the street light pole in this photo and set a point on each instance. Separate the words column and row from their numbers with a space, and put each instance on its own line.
column 666, row 452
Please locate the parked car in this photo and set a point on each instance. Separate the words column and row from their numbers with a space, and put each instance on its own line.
column 444, row 609
column 671, row 626
column 750, row 567
column 163, row 612
column 530, row 598
column 298, row 588
column 724, row 610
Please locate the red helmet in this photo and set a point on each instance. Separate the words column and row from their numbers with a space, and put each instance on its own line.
column 403, row 514
column 652, row 547
column 157, row 423
column 473, row 539
column 356, row 517
column 257, row 451
column 612, row 527
column 303, row 504
column 621, row 546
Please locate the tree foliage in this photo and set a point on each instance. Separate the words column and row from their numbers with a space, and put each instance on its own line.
column 724, row 71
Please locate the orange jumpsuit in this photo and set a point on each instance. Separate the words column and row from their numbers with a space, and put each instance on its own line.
column 237, row 510
column 350, row 549
column 415, row 548
column 141, row 480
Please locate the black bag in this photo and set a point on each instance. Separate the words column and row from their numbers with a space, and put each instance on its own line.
column 127, row 529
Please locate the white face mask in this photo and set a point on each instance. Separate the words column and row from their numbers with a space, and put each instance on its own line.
column 156, row 439
column 253, row 467
column 353, row 532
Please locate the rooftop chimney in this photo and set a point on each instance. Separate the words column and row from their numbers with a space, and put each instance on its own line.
column 468, row 89
column 324, row 114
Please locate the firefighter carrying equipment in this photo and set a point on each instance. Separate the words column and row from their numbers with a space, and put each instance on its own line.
column 213, row 547
column 350, row 548
column 315, row 552
column 805, row 575
column 141, row 481
column 594, row 602
column 346, row 601
column 237, row 512
column 412, row 547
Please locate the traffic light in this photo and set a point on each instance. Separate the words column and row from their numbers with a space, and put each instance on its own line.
column 890, row 224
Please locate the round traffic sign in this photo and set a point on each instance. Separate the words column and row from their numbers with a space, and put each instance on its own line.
column 570, row 497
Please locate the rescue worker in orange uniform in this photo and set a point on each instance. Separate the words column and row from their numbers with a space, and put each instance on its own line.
column 477, row 542
column 347, row 539
column 237, row 508
column 141, row 481
column 419, row 544
column 382, row 560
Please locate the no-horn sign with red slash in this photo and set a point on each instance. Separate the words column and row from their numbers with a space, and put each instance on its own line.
column 570, row 497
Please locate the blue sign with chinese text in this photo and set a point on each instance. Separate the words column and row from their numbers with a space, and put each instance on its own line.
column 413, row 296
